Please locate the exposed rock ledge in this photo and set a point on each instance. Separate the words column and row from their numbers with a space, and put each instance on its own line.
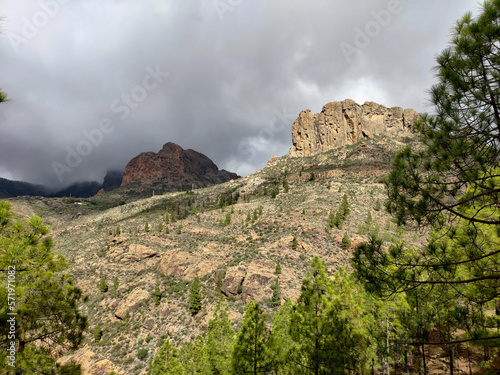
column 346, row 122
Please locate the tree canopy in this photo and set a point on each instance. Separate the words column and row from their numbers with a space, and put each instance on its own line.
column 42, row 297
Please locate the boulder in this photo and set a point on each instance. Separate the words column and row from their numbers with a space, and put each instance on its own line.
column 136, row 298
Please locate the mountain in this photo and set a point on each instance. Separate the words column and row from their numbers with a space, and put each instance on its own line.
column 174, row 168
column 84, row 189
column 230, row 234
column 345, row 123
column 9, row 188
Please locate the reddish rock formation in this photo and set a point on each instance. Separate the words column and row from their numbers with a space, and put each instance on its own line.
column 175, row 167
column 343, row 123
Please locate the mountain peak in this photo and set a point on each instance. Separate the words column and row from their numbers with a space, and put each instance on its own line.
column 346, row 122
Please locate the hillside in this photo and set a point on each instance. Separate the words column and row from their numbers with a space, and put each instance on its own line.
column 239, row 228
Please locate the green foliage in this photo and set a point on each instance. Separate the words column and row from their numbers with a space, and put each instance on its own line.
column 344, row 206
column 142, row 353
column 194, row 357
column 277, row 270
column 369, row 218
column 220, row 279
column 195, row 296
column 220, row 340
column 275, row 191
column 331, row 220
column 276, row 299
column 157, row 295
column 378, row 205
column 286, row 186
column 252, row 351
column 103, row 284
column 167, row 230
column 295, row 242
column 166, row 361
column 325, row 340
column 146, row 227
column 46, row 299
column 338, row 220
column 160, row 227
column 3, row 97
column 346, row 241
column 451, row 185
column 226, row 221
column 98, row 333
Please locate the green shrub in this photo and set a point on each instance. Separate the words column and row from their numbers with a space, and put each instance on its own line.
column 142, row 353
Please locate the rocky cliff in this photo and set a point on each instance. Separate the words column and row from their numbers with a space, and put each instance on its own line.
column 346, row 122
column 174, row 167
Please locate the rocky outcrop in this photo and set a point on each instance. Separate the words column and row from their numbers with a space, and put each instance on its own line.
column 175, row 167
column 181, row 264
column 253, row 282
column 346, row 122
column 136, row 298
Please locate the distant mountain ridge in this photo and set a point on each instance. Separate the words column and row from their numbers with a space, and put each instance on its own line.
column 10, row 189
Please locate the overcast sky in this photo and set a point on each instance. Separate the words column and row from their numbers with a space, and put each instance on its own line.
column 93, row 83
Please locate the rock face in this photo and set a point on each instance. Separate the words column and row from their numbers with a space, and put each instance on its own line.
column 136, row 298
column 346, row 122
column 175, row 167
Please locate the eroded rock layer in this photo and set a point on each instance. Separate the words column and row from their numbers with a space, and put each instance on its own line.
column 346, row 122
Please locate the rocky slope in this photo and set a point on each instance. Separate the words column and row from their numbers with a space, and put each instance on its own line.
column 345, row 123
column 174, row 167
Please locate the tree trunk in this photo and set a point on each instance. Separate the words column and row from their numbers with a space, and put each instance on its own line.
column 423, row 358
column 451, row 361
column 387, row 343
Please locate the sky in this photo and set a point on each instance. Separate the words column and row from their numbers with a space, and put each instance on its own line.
column 92, row 83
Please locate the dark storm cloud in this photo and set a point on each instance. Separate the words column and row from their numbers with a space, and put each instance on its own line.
column 224, row 77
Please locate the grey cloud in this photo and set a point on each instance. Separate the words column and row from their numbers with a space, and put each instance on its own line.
column 227, row 77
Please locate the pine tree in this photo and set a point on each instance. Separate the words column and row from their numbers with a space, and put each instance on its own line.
column 195, row 296
column 157, row 294
column 369, row 218
column 46, row 299
column 160, row 227
column 338, row 220
column 146, row 227
column 220, row 340
column 277, row 270
column 103, row 284
column 322, row 334
column 281, row 342
column 98, row 333
column 346, row 241
column 220, row 279
column 276, row 299
column 344, row 206
column 252, row 354
column 331, row 220
column 194, row 357
column 166, row 361
column 451, row 184
column 378, row 205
